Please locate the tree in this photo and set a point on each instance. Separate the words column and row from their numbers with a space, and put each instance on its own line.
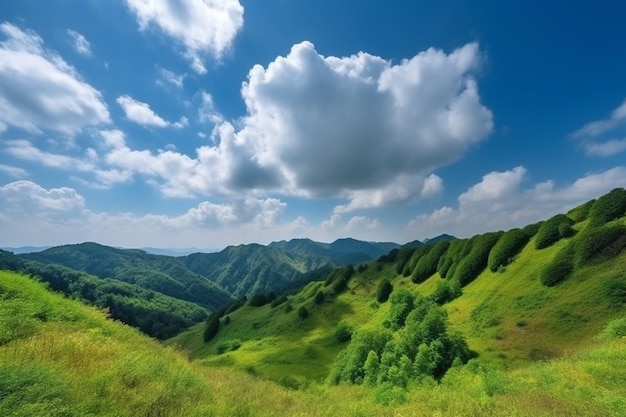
column 384, row 290
column 212, row 327
column 303, row 313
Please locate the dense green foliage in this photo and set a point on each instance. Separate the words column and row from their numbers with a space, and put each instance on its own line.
column 402, row 302
column 581, row 213
column 423, row 348
column 560, row 268
column 449, row 260
column 153, row 313
column 383, row 290
column 319, row 297
column 509, row 245
column 608, row 207
column 402, row 258
column 303, row 313
column 446, row 290
column 211, row 328
column 427, row 264
column 418, row 254
column 258, row 300
column 343, row 332
column 553, row 230
column 338, row 279
column 475, row 261
column 601, row 242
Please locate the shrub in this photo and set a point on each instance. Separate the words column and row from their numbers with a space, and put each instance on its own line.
column 228, row 346
column 319, row 297
column 447, row 290
column 608, row 241
column 303, row 313
column 404, row 254
column 211, row 328
column 402, row 302
column 475, row 261
column 258, row 300
column 418, row 254
column 384, row 290
column 343, row 332
column 580, row 213
column 553, row 230
column 532, row 229
column 339, row 278
column 560, row 268
column 427, row 264
column 509, row 245
column 608, row 207
column 456, row 251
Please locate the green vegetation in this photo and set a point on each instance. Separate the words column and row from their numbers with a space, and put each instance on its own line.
column 384, row 290
column 553, row 230
column 608, row 207
column 535, row 349
column 211, row 328
column 581, row 213
column 427, row 264
column 507, row 247
column 560, row 268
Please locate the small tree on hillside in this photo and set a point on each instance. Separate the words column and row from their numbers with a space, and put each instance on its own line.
column 384, row 290
column 303, row 313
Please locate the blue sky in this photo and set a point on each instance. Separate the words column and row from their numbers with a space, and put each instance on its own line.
column 197, row 123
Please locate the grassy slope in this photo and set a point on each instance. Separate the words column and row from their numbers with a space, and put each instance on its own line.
column 60, row 358
column 508, row 317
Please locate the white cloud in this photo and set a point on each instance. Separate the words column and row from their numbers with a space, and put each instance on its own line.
column 598, row 127
column 171, row 77
column 40, row 91
column 201, row 26
column 12, row 171
column 81, row 44
column 358, row 126
column 608, row 148
column 31, row 198
column 140, row 112
column 499, row 203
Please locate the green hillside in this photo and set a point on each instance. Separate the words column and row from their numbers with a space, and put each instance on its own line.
column 540, row 293
column 529, row 321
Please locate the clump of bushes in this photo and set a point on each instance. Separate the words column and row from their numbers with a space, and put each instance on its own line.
column 615, row 329
column 343, row 332
column 560, row 268
column 608, row 207
column 402, row 258
column 471, row 265
column 384, row 290
column 456, row 251
column 258, row 300
column 427, row 264
column 423, row 348
column 580, row 213
column 553, row 230
column 228, row 346
column 608, row 240
column 211, row 328
column 508, row 246
column 303, row 313
column 447, row 290
column 278, row 301
column 319, row 297
column 338, row 279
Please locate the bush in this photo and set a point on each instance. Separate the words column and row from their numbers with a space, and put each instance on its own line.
column 303, row 313
column 510, row 244
column 404, row 254
column 475, row 261
column 418, row 254
column 384, row 290
column 553, row 230
column 343, row 332
column 456, row 251
column 211, row 328
column 319, row 297
column 608, row 207
column 580, row 213
column 532, row 229
column 258, row 300
column 427, row 264
column 560, row 268
column 339, row 278
column 228, row 346
column 447, row 290
column 604, row 241
column 402, row 302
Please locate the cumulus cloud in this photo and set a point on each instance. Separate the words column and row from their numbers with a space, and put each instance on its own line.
column 171, row 77
column 31, row 198
column 200, row 26
column 81, row 44
column 592, row 134
column 499, row 202
column 358, row 128
column 40, row 91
